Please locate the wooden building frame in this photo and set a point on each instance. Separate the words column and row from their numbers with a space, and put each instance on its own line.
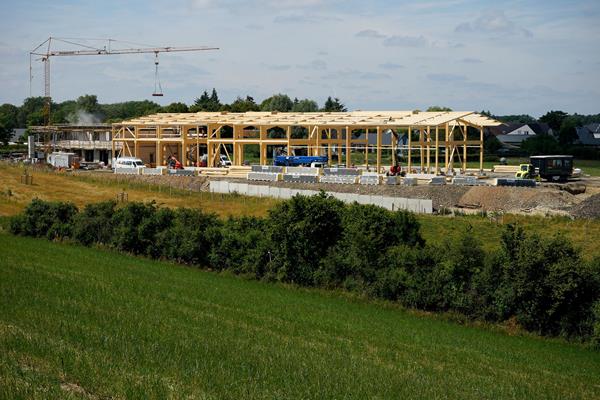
column 426, row 136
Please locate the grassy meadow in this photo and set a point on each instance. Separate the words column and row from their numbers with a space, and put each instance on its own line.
column 81, row 190
column 87, row 323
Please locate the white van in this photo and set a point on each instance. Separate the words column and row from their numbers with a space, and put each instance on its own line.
column 128, row 162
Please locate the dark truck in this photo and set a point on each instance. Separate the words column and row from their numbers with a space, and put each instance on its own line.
column 555, row 168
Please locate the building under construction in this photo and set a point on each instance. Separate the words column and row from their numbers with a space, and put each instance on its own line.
column 431, row 142
column 91, row 143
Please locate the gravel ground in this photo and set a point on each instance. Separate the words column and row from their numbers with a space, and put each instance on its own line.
column 589, row 208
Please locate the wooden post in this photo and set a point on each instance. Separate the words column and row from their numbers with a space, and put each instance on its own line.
column 409, row 150
column 378, row 149
column 437, row 151
column 421, row 148
column 348, row 149
column 464, row 166
column 329, row 150
column 112, row 143
column 289, row 138
column 428, row 149
column 367, row 147
column 263, row 148
column 394, row 141
column 481, row 149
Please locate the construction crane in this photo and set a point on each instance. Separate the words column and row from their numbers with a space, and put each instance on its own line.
column 45, row 52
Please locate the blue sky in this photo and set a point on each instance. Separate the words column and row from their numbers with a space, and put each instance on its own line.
column 510, row 57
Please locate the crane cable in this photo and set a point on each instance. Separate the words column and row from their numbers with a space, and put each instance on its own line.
column 157, row 86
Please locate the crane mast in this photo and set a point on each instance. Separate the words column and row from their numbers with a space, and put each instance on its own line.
column 45, row 52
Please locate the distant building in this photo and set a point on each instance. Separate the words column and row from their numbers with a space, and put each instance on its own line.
column 91, row 143
column 16, row 135
column 513, row 134
column 588, row 135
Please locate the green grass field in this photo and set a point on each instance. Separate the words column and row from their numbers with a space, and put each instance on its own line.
column 87, row 323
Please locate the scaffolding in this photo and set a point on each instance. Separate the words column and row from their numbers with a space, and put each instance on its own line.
column 427, row 142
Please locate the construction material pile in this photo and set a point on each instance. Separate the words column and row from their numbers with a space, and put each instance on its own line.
column 589, row 208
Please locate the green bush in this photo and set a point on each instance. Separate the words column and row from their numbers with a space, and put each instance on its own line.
column 134, row 228
column 300, row 233
column 367, row 233
column 241, row 247
column 40, row 218
column 94, row 225
column 184, row 235
column 544, row 284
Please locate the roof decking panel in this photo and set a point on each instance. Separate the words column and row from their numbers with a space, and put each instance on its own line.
column 354, row 118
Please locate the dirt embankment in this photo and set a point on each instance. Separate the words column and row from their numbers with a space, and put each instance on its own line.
column 546, row 199
column 193, row 183
column 589, row 208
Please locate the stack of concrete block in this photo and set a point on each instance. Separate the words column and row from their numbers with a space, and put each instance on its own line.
column 369, row 179
column 343, row 179
column 465, row 180
column 153, row 171
column 341, row 171
column 302, row 171
column 437, row 180
column 409, row 181
column 128, row 171
column 392, row 180
column 181, row 172
column 264, row 176
column 300, row 178
column 515, row 182
column 267, row 168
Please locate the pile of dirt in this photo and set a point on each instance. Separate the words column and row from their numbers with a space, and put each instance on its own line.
column 517, row 199
column 589, row 208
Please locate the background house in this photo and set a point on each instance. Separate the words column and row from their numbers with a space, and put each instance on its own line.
column 588, row 135
column 513, row 134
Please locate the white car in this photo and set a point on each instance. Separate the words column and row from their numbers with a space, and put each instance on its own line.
column 128, row 162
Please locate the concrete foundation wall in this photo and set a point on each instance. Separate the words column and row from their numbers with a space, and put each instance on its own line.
column 423, row 206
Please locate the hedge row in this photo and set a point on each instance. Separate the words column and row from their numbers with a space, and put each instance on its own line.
column 541, row 283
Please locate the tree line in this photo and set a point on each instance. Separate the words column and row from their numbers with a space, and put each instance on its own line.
column 87, row 110
column 541, row 284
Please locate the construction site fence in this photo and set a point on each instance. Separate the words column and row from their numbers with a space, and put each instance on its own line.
column 422, row 206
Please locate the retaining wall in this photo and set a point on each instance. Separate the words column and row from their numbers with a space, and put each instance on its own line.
column 423, row 206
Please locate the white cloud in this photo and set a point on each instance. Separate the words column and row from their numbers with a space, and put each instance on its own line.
column 390, row 66
column 493, row 22
column 406, row 41
column 370, row 33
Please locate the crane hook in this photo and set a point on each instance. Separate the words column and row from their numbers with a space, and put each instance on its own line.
column 157, row 86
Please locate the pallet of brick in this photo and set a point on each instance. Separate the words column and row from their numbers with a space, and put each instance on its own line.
column 515, row 182
column 409, row 181
column 465, row 181
column 369, row 179
column 267, row 168
column 341, row 171
column 506, row 169
column 391, row 180
column 300, row 178
column 181, row 172
column 341, row 179
column 127, row 171
column 302, row 170
column 153, row 171
column 437, row 181
column 263, row 176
